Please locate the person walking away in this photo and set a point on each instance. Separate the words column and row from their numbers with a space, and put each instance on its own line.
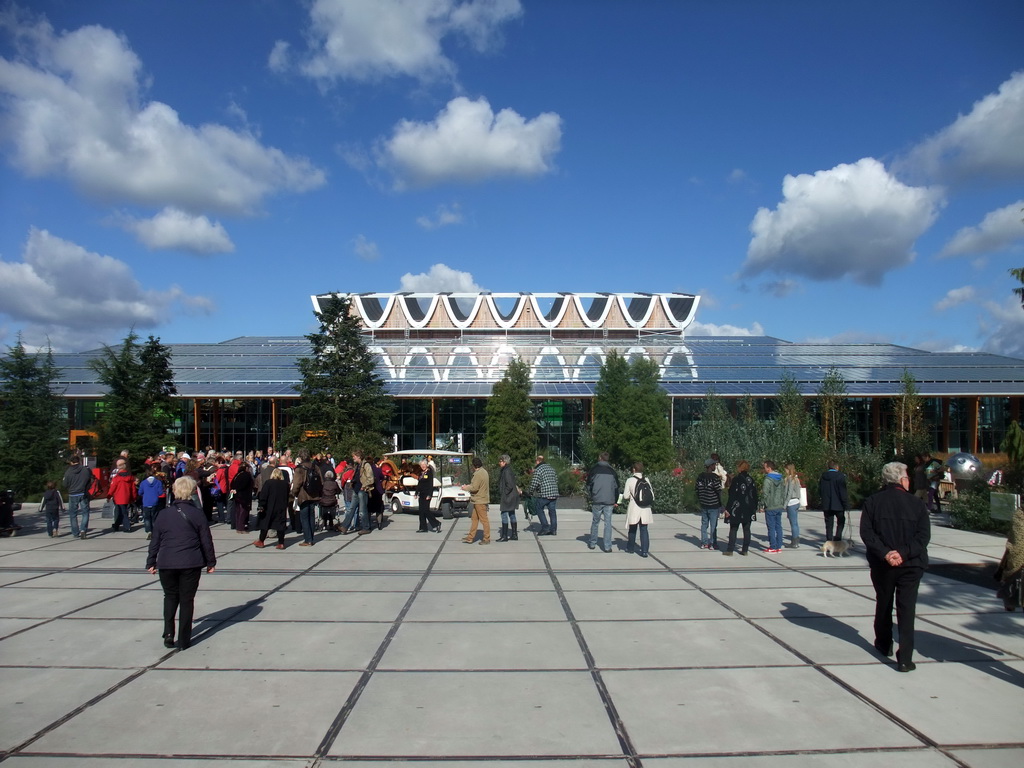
column 307, row 485
column 640, row 496
column 791, row 486
column 741, row 508
column 242, row 485
column 122, row 493
column 895, row 530
column 425, row 495
column 150, row 491
column 77, row 480
column 479, row 496
column 709, row 497
column 51, row 506
column 329, row 500
column 274, row 497
column 603, row 487
column 180, row 548
column 508, row 499
column 834, row 500
column 544, row 490
column 773, row 500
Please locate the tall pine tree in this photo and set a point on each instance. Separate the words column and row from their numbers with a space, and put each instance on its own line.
column 610, row 395
column 343, row 404
column 631, row 413
column 32, row 428
column 510, row 423
column 138, row 409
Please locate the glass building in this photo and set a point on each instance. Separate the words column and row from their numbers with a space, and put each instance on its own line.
column 441, row 353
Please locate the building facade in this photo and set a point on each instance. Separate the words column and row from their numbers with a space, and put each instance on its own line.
column 440, row 355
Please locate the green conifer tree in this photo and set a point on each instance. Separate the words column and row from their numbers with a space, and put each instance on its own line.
column 32, row 426
column 510, row 423
column 344, row 405
column 610, row 395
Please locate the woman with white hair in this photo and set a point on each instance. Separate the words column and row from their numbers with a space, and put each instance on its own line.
column 180, row 548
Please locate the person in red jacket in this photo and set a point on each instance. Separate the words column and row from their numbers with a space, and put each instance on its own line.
column 122, row 492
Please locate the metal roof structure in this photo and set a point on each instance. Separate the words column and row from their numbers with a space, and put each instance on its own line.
column 468, row 366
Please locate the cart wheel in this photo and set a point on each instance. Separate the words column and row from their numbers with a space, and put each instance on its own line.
column 446, row 510
column 396, row 506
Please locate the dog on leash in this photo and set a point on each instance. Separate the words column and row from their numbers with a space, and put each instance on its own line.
column 837, row 548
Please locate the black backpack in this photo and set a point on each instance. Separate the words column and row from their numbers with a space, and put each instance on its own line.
column 313, row 485
column 642, row 493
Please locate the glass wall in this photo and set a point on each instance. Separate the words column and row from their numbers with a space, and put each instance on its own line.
column 411, row 423
column 994, row 417
column 959, row 420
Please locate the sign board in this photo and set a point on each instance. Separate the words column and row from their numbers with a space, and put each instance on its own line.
column 1003, row 505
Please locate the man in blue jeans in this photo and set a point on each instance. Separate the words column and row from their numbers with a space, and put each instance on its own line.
column 77, row 479
column 544, row 490
column 603, row 485
column 709, row 497
column 362, row 481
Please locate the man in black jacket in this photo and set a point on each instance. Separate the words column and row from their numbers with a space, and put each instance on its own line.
column 77, row 480
column 834, row 500
column 895, row 530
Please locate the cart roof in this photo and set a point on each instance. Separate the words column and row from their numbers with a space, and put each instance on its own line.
column 426, row 452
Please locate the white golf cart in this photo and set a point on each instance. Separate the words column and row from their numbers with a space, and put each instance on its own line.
column 448, row 494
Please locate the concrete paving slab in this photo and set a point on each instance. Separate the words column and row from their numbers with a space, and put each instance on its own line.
column 107, row 761
column 343, row 581
column 296, row 645
column 547, row 714
column 481, row 606
column 357, row 561
column 924, row 757
column 488, row 560
column 779, row 709
column 748, row 579
column 148, row 604
column 9, row 627
column 586, row 560
column 486, row 646
column 515, row 581
column 83, row 579
column 1000, row 630
column 685, row 643
column 31, row 698
column 766, row 603
column 325, row 606
column 20, row 575
column 644, row 604
column 87, row 643
column 618, row 581
column 991, row 758
column 268, row 714
column 841, row 575
column 53, row 559
column 590, row 762
column 25, row 603
column 934, row 698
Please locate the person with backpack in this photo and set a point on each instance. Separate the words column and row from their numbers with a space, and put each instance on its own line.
column 640, row 495
column 150, row 491
column 307, row 487
column 709, row 496
column 52, row 505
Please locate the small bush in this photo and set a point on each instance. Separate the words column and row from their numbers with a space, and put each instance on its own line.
column 970, row 511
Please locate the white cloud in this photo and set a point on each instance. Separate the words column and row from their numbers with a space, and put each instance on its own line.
column 279, row 59
column 710, row 329
column 997, row 232
column 443, row 217
column 1003, row 327
column 780, row 289
column 957, row 296
column 366, row 40
column 986, row 144
column 75, row 108
column 75, row 297
column 366, row 250
column 853, row 220
column 467, row 142
column 438, row 279
column 175, row 230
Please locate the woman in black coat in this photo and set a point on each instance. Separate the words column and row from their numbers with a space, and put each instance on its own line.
column 425, row 492
column 180, row 548
column 741, row 507
column 241, row 493
column 274, row 497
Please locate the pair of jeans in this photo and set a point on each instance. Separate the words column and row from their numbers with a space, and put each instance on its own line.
column 709, row 526
column 52, row 521
column 774, row 519
column 122, row 517
column 362, row 501
column 78, row 502
column 538, row 509
column 219, row 509
column 508, row 518
column 148, row 516
column 601, row 512
column 351, row 512
column 307, row 519
column 180, row 587
column 792, row 511
column 645, row 539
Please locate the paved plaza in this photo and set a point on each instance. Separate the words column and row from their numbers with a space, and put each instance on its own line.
column 402, row 647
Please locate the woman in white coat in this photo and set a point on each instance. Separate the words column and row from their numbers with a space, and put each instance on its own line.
column 636, row 514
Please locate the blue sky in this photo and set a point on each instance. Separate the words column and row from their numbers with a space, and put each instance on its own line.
column 814, row 170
